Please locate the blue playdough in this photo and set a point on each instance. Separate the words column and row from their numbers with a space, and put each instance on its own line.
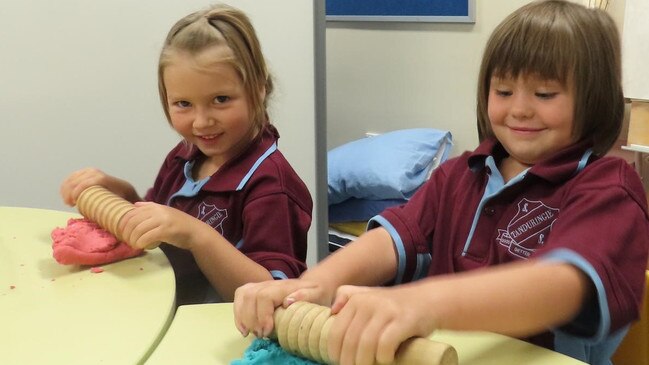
column 266, row 352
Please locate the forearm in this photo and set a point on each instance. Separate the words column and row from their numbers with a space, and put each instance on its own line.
column 518, row 299
column 224, row 265
column 370, row 260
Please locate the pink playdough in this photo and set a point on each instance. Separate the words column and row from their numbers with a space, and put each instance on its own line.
column 83, row 242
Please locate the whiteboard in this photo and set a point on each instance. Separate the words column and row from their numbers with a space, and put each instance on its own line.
column 78, row 88
column 635, row 50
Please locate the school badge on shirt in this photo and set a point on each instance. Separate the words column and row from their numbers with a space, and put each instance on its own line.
column 212, row 215
column 528, row 229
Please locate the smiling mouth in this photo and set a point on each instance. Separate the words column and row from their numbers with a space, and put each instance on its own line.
column 208, row 137
column 526, row 130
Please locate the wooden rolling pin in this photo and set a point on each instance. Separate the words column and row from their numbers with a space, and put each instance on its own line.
column 103, row 207
column 303, row 329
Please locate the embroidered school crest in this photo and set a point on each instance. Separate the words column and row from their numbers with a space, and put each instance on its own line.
column 528, row 229
column 212, row 215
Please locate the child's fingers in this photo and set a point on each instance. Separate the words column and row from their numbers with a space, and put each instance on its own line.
column 338, row 334
column 237, row 306
column 310, row 294
column 142, row 204
column 368, row 343
column 389, row 341
column 78, row 181
column 130, row 225
column 265, row 309
column 78, row 189
column 254, row 305
column 141, row 233
column 127, row 225
column 272, row 296
column 147, row 240
column 309, row 291
column 364, row 334
column 124, row 227
column 65, row 193
column 343, row 294
column 67, row 187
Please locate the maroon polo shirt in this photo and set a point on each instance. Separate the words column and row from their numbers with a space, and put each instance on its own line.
column 256, row 201
column 573, row 207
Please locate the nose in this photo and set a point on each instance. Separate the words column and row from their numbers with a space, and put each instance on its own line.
column 521, row 106
column 203, row 118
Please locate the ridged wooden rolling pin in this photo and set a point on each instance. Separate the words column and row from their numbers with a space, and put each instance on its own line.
column 303, row 329
column 103, row 207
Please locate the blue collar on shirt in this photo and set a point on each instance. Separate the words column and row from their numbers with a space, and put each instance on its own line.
column 191, row 188
column 558, row 168
column 235, row 173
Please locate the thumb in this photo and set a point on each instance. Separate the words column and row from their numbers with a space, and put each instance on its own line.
column 344, row 293
column 142, row 203
column 313, row 294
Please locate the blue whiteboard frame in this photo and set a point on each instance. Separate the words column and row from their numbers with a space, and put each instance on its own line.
column 449, row 11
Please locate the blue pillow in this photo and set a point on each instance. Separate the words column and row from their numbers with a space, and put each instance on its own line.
column 392, row 165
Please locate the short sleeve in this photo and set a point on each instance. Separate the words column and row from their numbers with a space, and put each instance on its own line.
column 604, row 231
column 412, row 226
column 275, row 234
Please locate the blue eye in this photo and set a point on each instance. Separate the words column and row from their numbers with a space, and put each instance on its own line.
column 221, row 99
column 182, row 104
column 546, row 95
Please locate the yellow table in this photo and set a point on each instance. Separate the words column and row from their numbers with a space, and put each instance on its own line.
column 55, row 314
column 205, row 334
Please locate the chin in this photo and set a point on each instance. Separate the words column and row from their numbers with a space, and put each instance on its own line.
column 527, row 158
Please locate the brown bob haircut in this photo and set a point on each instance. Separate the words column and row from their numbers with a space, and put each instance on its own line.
column 221, row 25
column 567, row 42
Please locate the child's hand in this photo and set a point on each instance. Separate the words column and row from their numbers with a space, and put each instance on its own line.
column 371, row 323
column 79, row 180
column 255, row 303
column 150, row 224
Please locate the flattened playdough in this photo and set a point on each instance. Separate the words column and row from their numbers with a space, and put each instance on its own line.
column 83, row 242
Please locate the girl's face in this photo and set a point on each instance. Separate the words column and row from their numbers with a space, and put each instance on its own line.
column 208, row 105
column 531, row 117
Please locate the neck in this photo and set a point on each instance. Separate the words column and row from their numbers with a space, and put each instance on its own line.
column 510, row 168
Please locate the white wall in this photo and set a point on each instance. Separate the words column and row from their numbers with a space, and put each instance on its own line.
column 387, row 76
column 78, row 88
column 635, row 48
